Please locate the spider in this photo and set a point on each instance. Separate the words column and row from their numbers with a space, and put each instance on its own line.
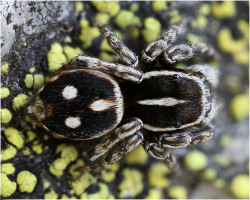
column 162, row 109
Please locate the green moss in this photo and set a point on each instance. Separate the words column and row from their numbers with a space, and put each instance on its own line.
column 226, row 141
column 88, row 33
column 154, row 193
column 26, row 181
column 15, row 137
column 4, row 92
column 36, row 147
column 174, row 17
column 219, row 183
column 200, row 22
column 50, row 195
column 195, row 160
column 71, row 52
column 157, row 175
column 38, row 81
column 26, row 151
column 177, row 192
column 28, row 80
column 225, row 9
column 82, row 183
column 103, row 193
column 32, row 70
column 221, row 160
column 159, row 5
column 209, row 174
column 103, row 18
column 31, row 135
column 240, row 186
column 124, row 18
column 8, row 153
column 7, row 168
column 5, row 68
column 19, row 101
column 6, row 116
column 79, row 6
column 7, row 187
column 111, row 7
column 205, row 9
column 132, row 184
column 138, row 156
column 240, row 106
column 228, row 44
column 152, row 29
column 56, row 58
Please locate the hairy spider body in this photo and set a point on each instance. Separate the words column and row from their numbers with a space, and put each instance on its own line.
column 162, row 109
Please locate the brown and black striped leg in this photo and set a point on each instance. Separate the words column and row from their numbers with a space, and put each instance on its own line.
column 160, row 45
column 127, row 56
column 108, row 151
column 184, row 52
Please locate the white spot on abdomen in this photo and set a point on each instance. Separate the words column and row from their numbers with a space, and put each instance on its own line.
column 69, row 92
column 168, row 101
column 101, row 105
column 73, row 122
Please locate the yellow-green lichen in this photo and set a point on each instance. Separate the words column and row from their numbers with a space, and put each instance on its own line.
column 174, row 17
column 26, row 181
column 15, row 137
column 225, row 9
column 8, row 153
column 36, row 147
column 19, row 101
column 64, row 196
column 56, row 58
column 103, row 18
column 7, row 168
column 133, row 32
column 138, row 156
column 124, row 18
column 4, row 92
column 159, row 5
column 240, row 106
column 88, row 33
column 157, row 175
column 50, row 195
column 152, row 29
column 7, row 187
column 134, row 7
column 177, row 192
column 106, row 56
column 226, row 141
column 79, row 6
column 105, row 46
column 32, row 70
column 243, row 26
column 240, row 186
column 200, row 22
column 82, row 183
column 242, row 58
column 5, row 68
column 132, row 183
column 192, row 38
column 209, row 174
column 219, row 183
column 38, row 81
column 111, row 7
column 221, row 160
column 46, row 184
column 6, row 116
column 154, row 193
column 205, row 9
column 103, row 193
column 31, row 135
column 71, row 52
column 29, row 80
column 26, row 151
column 108, row 176
column 57, row 167
column 195, row 160
column 72, row 171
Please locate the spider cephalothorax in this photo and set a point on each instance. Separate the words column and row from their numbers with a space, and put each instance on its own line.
column 163, row 108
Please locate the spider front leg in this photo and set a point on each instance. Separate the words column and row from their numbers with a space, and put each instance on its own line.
column 107, row 152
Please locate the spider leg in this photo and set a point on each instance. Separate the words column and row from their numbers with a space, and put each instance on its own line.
column 127, row 56
column 160, row 45
column 184, row 52
column 108, row 152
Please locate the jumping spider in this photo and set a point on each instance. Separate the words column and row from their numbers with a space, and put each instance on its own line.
column 162, row 109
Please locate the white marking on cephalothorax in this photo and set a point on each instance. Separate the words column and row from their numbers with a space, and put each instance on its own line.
column 73, row 122
column 167, row 101
column 204, row 98
column 102, row 105
column 54, row 78
column 69, row 92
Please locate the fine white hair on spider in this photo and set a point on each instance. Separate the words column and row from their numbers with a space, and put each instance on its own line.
column 162, row 108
